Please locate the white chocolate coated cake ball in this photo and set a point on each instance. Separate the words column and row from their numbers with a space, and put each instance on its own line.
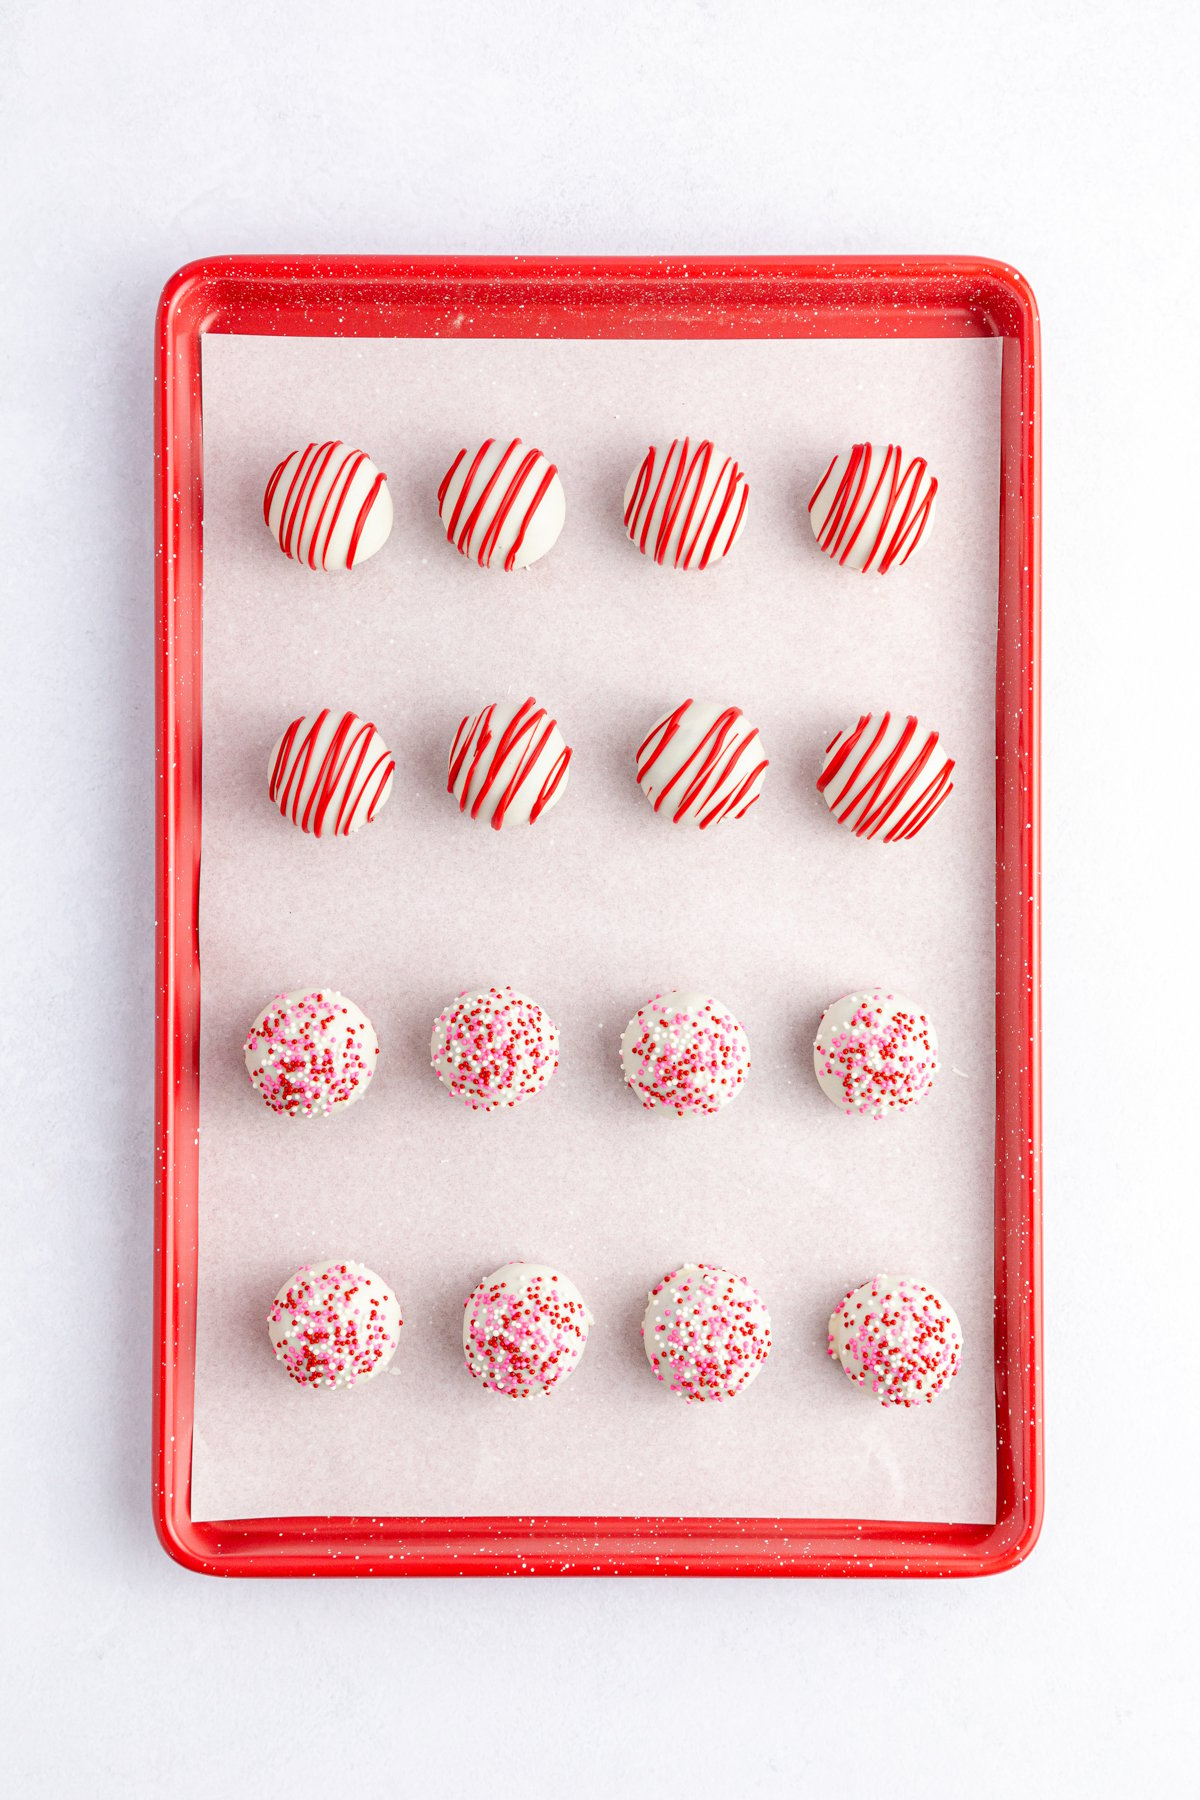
column 310, row 1053
column 334, row 1323
column 525, row 1328
column 328, row 506
column 509, row 764
column 701, row 764
column 897, row 1337
column 875, row 1053
column 330, row 773
column 493, row 1047
column 886, row 778
column 871, row 509
column 685, row 506
column 502, row 505
column 706, row 1332
column 686, row 1053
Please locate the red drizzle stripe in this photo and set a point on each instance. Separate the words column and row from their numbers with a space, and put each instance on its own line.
column 705, row 772
column 527, row 734
column 872, row 794
column 683, row 475
column 355, row 756
column 903, row 520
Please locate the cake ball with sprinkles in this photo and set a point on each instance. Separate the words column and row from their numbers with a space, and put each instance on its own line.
column 525, row 1328
column 311, row 1052
column 875, row 1053
column 897, row 1337
column 685, row 1052
column 493, row 1047
column 334, row 1323
column 706, row 1332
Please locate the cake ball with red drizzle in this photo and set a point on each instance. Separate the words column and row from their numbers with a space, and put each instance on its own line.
column 334, row 1323
column 311, row 1052
column 701, row 764
column 871, row 509
column 875, row 1053
column 508, row 764
column 327, row 506
column 897, row 1337
column 493, row 1047
column 525, row 1328
column 686, row 1053
column 886, row 778
column 685, row 506
column 330, row 773
column 503, row 505
column 706, row 1332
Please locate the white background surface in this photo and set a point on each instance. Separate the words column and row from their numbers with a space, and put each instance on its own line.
column 1051, row 135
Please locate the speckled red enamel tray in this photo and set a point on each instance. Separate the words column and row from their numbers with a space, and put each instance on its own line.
column 530, row 297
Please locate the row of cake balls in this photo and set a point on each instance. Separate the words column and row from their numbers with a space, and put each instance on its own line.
column 701, row 764
column 706, row 1331
column 503, row 506
column 313, row 1052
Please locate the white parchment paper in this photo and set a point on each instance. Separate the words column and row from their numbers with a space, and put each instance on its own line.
column 592, row 911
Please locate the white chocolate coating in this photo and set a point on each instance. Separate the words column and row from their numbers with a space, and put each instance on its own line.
column 502, row 505
column 701, row 764
column 334, row 1323
column 875, row 1053
column 493, row 1047
column 686, row 505
column 311, row 1052
column 897, row 1337
column 870, row 509
column 885, row 778
column 328, row 506
column 525, row 1329
column 508, row 764
column 706, row 1332
column 330, row 773
column 684, row 1052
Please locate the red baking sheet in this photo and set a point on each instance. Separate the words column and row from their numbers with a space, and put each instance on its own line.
column 619, row 298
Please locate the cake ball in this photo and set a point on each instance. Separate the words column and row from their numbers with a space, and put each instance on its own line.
column 897, row 1337
column 311, row 1052
column 334, row 1323
column 686, row 505
column 493, row 1047
column 525, row 1328
column 685, row 1051
column 508, row 764
column 701, row 764
column 875, row 1053
column 706, row 1332
column 328, row 506
column 503, row 505
column 329, row 773
column 886, row 778
column 871, row 509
